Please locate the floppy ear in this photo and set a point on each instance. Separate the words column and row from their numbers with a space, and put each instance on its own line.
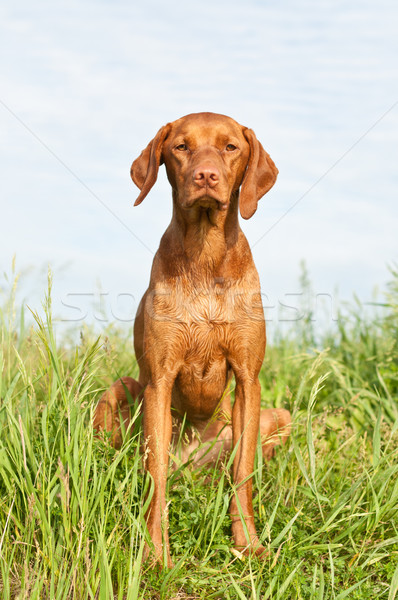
column 259, row 177
column 144, row 170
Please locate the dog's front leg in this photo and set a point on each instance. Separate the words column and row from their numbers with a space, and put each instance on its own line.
column 157, row 435
column 245, row 426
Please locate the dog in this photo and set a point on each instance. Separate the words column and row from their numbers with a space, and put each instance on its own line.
column 201, row 320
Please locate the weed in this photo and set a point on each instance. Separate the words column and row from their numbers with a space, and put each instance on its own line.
column 71, row 507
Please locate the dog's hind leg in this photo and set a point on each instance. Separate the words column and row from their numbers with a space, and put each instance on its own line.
column 275, row 428
column 112, row 413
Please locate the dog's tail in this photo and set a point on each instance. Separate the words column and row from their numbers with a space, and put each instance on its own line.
column 113, row 411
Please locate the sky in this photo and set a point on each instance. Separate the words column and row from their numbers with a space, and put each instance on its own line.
column 85, row 85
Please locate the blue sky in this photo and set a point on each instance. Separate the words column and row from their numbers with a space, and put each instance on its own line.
column 85, row 86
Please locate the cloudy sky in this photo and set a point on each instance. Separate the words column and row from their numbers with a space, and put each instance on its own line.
column 85, row 85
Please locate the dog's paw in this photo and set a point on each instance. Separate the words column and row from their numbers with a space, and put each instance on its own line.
column 242, row 552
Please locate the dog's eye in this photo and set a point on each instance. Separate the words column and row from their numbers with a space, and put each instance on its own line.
column 230, row 148
column 182, row 147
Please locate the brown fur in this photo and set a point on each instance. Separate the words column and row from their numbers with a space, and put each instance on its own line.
column 201, row 319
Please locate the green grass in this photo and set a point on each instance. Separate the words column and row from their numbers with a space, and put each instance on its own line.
column 71, row 507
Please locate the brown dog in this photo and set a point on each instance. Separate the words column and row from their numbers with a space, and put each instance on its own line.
column 201, row 319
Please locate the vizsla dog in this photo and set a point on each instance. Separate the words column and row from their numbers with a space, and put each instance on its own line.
column 201, row 320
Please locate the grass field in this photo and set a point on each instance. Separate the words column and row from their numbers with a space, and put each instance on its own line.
column 71, row 507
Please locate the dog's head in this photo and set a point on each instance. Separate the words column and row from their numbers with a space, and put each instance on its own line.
column 208, row 159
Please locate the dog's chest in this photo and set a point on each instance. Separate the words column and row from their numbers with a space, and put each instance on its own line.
column 203, row 312
column 203, row 324
column 201, row 329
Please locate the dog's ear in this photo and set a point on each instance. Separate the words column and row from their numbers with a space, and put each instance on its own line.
column 259, row 177
column 144, row 170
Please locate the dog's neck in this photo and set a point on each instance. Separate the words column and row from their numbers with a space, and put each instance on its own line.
column 204, row 235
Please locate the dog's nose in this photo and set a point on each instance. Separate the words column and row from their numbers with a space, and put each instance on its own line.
column 206, row 176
